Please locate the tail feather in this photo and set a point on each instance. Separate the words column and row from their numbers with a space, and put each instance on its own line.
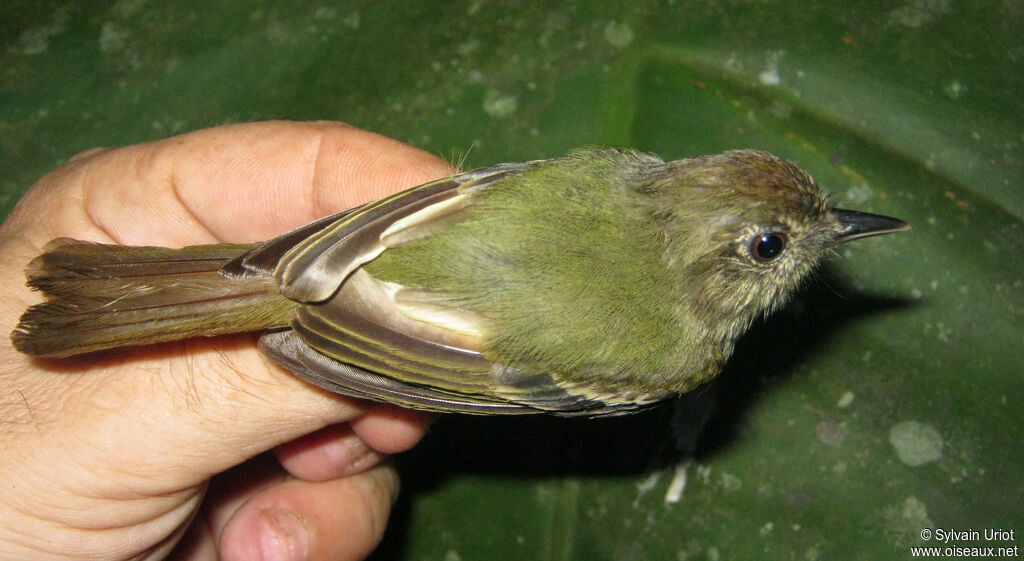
column 105, row 296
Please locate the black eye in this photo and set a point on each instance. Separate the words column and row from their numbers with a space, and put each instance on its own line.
column 766, row 247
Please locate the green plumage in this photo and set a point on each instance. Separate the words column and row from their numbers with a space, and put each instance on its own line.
column 566, row 266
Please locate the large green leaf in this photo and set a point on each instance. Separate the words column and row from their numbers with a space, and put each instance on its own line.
column 884, row 400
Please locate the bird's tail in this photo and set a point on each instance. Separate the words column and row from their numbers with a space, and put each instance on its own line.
column 105, row 296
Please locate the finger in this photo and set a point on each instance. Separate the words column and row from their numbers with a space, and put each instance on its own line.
column 249, row 182
column 329, row 453
column 390, row 429
column 336, row 519
column 245, row 182
column 345, row 449
column 229, row 491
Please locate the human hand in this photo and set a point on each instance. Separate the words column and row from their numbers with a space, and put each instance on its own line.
column 160, row 451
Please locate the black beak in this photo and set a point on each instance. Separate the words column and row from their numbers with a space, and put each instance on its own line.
column 855, row 225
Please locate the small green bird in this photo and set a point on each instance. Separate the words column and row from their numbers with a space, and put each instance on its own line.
column 591, row 284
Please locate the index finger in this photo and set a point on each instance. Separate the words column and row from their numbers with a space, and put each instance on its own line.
column 236, row 183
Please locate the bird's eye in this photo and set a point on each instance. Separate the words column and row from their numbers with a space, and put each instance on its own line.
column 768, row 246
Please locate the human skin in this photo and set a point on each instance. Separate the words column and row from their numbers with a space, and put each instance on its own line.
column 201, row 449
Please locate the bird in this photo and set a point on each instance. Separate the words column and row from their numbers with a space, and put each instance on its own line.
column 597, row 283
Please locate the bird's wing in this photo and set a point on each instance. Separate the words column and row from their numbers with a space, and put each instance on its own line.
column 313, row 269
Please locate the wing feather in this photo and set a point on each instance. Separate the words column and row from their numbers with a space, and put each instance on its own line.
column 291, row 352
column 314, row 268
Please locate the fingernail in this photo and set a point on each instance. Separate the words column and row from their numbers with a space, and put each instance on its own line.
column 351, row 455
column 282, row 536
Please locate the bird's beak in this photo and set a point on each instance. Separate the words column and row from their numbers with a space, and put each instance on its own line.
column 855, row 225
